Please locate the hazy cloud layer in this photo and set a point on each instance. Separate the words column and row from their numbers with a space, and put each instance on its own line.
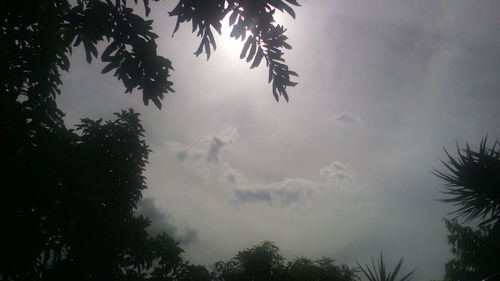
column 343, row 169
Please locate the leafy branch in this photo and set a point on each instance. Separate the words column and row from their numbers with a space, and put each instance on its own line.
column 252, row 21
column 472, row 182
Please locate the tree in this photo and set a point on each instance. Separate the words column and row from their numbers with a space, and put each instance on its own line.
column 70, row 213
column 264, row 262
column 323, row 269
column 71, row 195
column 472, row 182
column 36, row 41
column 380, row 272
column 473, row 250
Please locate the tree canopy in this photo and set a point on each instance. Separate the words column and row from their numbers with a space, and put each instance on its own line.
column 473, row 252
column 36, row 42
column 264, row 262
column 71, row 195
column 70, row 213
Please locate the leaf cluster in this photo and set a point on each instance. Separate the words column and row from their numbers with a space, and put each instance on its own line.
column 473, row 182
column 33, row 48
column 252, row 22
column 380, row 272
column 132, row 49
column 473, row 252
column 36, row 43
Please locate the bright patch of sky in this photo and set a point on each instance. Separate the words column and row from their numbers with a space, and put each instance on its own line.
column 343, row 170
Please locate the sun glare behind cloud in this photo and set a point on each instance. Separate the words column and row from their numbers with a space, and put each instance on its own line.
column 232, row 46
column 228, row 45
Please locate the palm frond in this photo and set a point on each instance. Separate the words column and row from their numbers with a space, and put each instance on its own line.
column 472, row 182
column 380, row 273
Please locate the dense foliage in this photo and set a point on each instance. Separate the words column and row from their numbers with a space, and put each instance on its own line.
column 473, row 184
column 71, row 208
column 36, row 41
column 473, row 252
column 71, row 195
column 263, row 262
column 380, row 272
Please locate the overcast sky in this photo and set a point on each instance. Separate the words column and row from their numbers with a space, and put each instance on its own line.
column 343, row 169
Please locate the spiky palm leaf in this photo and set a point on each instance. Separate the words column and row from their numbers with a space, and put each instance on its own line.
column 379, row 273
column 473, row 182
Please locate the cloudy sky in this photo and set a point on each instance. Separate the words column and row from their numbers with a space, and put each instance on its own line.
column 343, row 169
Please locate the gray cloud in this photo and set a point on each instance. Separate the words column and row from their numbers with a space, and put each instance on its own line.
column 216, row 146
column 209, row 149
column 338, row 172
column 284, row 193
column 181, row 155
column 230, row 174
column 347, row 118
column 205, row 157
column 293, row 191
column 252, row 195
column 217, row 141
column 161, row 222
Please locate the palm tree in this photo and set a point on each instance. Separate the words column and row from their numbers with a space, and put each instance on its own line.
column 473, row 182
column 380, row 273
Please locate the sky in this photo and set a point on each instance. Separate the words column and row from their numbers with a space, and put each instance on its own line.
column 344, row 169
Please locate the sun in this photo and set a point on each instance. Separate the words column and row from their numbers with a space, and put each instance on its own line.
column 229, row 45
column 233, row 47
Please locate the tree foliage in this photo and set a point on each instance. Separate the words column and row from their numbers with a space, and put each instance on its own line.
column 474, row 252
column 71, row 195
column 323, row 269
column 71, row 205
column 36, row 42
column 263, row 262
column 380, row 272
column 473, row 182
column 252, row 22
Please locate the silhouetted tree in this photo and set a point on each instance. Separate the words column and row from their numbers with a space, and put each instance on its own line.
column 380, row 272
column 474, row 252
column 324, row 269
column 37, row 37
column 70, row 196
column 473, row 184
column 264, row 262
column 70, row 208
